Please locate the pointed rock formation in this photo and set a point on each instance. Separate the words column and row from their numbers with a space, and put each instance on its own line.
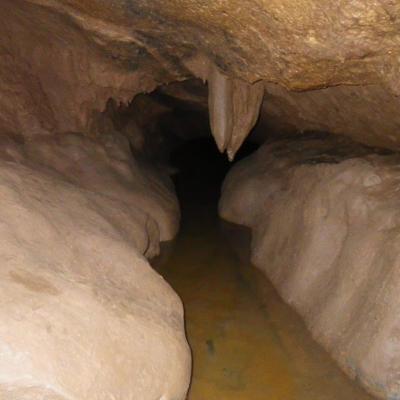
column 234, row 106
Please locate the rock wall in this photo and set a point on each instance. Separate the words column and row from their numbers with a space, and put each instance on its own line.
column 302, row 45
column 54, row 76
column 323, row 64
column 78, row 214
column 83, row 315
column 324, row 215
column 367, row 114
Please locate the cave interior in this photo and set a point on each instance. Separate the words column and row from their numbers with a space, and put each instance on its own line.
column 200, row 200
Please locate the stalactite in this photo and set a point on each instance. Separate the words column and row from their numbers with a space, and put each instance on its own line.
column 234, row 106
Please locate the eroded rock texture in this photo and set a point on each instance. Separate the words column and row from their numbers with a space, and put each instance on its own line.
column 53, row 75
column 324, row 215
column 303, row 44
column 83, row 315
column 62, row 60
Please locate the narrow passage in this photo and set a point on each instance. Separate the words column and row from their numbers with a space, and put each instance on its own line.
column 246, row 343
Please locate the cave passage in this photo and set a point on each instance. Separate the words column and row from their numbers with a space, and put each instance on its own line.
column 246, row 343
column 112, row 278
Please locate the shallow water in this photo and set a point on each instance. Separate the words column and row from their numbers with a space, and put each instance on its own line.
column 247, row 344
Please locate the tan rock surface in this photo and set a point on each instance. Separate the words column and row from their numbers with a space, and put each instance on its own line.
column 234, row 107
column 61, row 61
column 324, row 220
column 83, row 314
column 108, row 167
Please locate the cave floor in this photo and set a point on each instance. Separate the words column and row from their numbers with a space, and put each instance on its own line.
column 246, row 346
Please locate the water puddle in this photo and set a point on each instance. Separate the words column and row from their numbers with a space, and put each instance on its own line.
column 244, row 348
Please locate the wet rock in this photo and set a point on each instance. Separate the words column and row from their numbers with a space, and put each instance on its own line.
column 324, row 220
column 83, row 315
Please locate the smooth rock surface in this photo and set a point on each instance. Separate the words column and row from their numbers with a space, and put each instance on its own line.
column 324, row 215
column 83, row 315
column 234, row 107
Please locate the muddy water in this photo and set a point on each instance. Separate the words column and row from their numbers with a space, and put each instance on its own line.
column 246, row 343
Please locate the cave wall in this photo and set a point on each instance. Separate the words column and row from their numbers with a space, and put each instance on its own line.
column 325, row 65
column 83, row 314
column 53, row 77
column 323, row 214
column 368, row 114
column 82, row 211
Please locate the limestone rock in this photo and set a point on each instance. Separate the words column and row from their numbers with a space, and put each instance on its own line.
column 303, row 44
column 108, row 167
column 367, row 114
column 83, row 315
column 325, row 227
column 234, row 108
column 61, row 61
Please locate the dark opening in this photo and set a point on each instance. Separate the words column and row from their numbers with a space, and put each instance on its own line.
column 201, row 171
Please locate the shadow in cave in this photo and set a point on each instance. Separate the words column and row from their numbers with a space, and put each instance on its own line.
column 201, row 169
column 246, row 343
